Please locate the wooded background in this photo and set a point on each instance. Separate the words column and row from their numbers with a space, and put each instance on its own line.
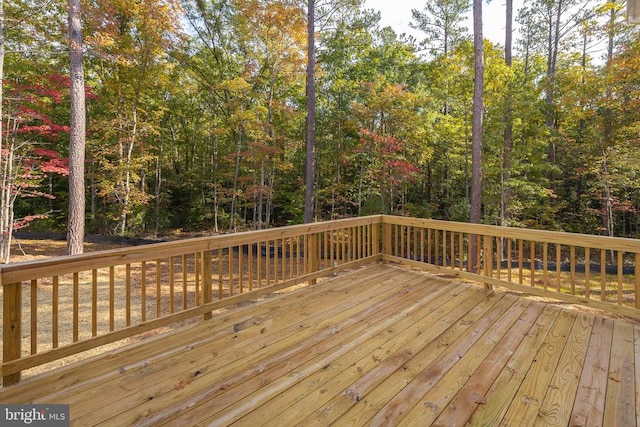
column 196, row 115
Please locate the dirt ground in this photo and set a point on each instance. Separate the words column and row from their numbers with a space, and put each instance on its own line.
column 29, row 250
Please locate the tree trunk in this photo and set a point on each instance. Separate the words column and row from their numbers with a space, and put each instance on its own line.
column 508, row 128
column 552, row 58
column 75, row 226
column 311, row 113
column 5, row 229
column 236, row 173
column 476, row 129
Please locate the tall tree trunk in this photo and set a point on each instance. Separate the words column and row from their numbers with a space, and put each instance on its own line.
column 476, row 128
column 311, row 113
column 552, row 58
column 236, row 173
column 508, row 128
column 5, row 226
column 606, row 199
column 75, row 225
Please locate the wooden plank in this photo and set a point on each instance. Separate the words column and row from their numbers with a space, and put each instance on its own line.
column 504, row 389
column 588, row 408
column 283, row 308
column 391, row 376
column 454, row 398
column 369, row 371
column 556, row 406
column 247, row 397
column 525, row 407
column 620, row 402
column 332, row 379
column 239, row 364
column 474, row 392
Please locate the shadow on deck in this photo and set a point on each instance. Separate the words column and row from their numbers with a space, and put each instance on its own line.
column 381, row 345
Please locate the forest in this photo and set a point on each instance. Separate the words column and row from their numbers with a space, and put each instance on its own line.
column 196, row 115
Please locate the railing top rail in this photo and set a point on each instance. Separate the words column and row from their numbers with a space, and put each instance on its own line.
column 28, row 270
column 564, row 238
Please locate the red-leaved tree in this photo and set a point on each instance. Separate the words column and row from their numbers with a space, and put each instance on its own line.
column 26, row 156
column 388, row 169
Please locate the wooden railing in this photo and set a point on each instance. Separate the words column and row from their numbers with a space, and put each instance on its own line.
column 62, row 306
column 581, row 269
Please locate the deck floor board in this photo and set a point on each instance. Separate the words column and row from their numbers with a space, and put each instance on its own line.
column 380, row 345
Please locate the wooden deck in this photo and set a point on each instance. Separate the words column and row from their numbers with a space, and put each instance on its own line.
column 383, row 345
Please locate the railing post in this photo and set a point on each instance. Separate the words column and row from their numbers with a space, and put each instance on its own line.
column 207, row 280
column 386, row 239
column 311, row 254
column 12, row 328
column 487, row 257
column 376, row 239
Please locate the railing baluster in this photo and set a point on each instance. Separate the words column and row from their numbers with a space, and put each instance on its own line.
column 55, row 298
column 444, row 248
column 94, row 302
column 603, row 275
column 240, row 269
column 558, row 265
column 545, row 259
column 207, row 281
column 533, row 263
column 498, row 258
column 158, row 288
column 143, row 291
column 34, row 316
column 185, row 282
column 509, row 259
column 220, row 275
column 128, row 294
column 250, row 267
column 230, row 274
column 259, row 264
column 620, row 266
column 520, row 261
column 76, row 310
column 587, row 272
column 268, row 262
column 460, row 251
column 172, row 272
column 572, row 261
column 112, row 299
column 196, row 281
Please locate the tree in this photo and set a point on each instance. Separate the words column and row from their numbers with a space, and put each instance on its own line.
column 311, row 113
column 441, row 21
column 132, row 42
column 505, row 186
column 75, row 228
column 478, row 92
